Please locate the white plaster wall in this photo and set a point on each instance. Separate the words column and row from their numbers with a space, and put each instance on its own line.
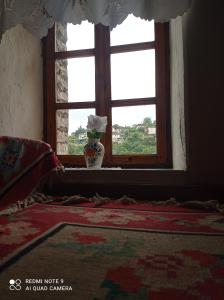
column 177, row 95
column 21, row 99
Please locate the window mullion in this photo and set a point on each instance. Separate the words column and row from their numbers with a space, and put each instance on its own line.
column 162, row 91
column 102, row 77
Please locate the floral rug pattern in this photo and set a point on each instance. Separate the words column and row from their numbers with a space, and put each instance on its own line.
column 115, row 253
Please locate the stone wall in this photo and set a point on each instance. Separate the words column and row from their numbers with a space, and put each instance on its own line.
column 61, row 91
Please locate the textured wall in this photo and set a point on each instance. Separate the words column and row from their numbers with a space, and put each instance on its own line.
column 177, row 95
column 21, row 110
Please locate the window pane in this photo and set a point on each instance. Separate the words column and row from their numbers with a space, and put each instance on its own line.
column 133, row 30
column 80, row 36
column 133, row 74
column 71, row 130
column 75, row 79
column 74, row 37
column 136, row 133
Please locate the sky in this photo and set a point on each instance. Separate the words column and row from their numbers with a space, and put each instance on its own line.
column 132, row 74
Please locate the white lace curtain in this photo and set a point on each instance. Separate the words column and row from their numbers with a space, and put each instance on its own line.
column 39, row 15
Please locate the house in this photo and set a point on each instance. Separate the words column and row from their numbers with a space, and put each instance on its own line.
column 116, row 138
column 82, row 137
column 117, row 135
column 151, row 130
column 22, row 108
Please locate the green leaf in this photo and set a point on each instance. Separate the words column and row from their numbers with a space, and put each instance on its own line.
column 93, row 134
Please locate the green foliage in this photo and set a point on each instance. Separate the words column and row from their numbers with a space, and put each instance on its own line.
column 75, row 146
column 132, row 139
column 135, row 140
column 79, row 131
column 147, row 122
column 93, row 134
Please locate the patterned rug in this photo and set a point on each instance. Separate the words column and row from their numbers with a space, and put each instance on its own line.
column 83, row 253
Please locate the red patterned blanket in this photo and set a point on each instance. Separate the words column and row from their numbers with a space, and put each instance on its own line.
column 111, row 253
column 23, row 163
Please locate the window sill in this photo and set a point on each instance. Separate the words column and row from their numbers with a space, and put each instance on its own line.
column 121, row 176
column 147, row 184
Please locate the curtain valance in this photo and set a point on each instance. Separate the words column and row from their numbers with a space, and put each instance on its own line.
column 39, row 15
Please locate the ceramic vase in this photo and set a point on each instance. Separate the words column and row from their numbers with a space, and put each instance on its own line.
column 94, row 153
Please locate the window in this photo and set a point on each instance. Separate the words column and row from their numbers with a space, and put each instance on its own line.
column 122, row 74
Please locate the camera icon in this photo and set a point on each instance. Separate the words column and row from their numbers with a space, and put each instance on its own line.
column 15, row 284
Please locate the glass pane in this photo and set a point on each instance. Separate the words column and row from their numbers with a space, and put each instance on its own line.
column 71, row 130
column 133, row 30
column 80, row 36
column 133, row 74
column 74, row 37
column 136, row 133
column 75, row 79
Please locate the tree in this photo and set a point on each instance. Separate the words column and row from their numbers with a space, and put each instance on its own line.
column 116, row 126
column 147, row 122
column 79, row 131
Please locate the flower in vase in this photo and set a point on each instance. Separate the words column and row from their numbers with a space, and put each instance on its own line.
column 96, row 126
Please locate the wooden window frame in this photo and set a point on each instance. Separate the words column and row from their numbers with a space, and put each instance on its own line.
column 104, row 104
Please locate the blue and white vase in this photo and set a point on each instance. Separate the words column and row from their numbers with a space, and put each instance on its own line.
column 94, row 153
